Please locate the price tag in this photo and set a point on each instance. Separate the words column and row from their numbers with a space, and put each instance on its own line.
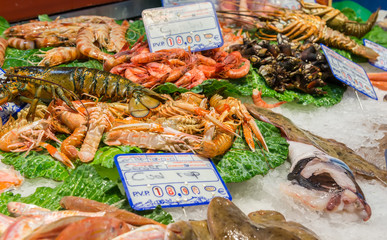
column 194, row 25
column 381, row 61
column 349, row 72
column 169, row 180
column 2, row 73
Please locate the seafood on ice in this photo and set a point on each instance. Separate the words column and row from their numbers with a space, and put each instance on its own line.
column 9, row 178
column 224, row 221
column 322, row 182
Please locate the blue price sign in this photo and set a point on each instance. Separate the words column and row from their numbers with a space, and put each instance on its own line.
column 194, row 25
column 381, row 61
column 169, row 180
column 349, row 72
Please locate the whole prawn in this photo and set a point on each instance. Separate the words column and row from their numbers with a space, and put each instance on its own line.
column 85, row 39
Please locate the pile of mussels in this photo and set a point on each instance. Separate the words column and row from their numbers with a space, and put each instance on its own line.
column 289, row 65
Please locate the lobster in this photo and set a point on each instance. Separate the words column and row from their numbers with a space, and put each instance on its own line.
column 335, row 19
column 32, row 84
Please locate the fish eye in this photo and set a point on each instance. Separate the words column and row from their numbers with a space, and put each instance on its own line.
column 234, row 116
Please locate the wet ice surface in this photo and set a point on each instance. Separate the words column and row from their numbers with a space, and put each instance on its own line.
column 360, row 123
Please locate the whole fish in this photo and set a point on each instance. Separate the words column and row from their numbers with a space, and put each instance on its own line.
column 330, row 146
column 24, row 209
column 323, row 182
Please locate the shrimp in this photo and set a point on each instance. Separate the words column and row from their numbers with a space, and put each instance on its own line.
column 20, row 43
column 101, row 33
column 3, row 47
column 117, row 36
column 258, row 101
column 60, row 55
column 238, row 72
column 160, row 55
column 85, row 39
column 191, row 79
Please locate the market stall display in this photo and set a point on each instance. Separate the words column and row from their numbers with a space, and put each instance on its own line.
column 80, row 117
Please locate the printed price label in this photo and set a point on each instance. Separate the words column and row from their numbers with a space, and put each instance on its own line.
column 169, row 180
column 381, row 61
column 349, row 72
column 194, row 25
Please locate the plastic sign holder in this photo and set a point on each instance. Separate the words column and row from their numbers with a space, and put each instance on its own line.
column 381, row 61
column 349, row 72
column 169, row 180
column 10, row 108
column 194, row 25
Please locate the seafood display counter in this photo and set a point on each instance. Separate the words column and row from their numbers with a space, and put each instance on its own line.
column 302, row 154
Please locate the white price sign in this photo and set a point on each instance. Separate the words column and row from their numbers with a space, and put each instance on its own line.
column 381, row 61
column 349, row 72
column 169, row 180
column 194, row 25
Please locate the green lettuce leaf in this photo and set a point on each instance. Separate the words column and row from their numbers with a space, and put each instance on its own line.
column 135, row 30
column 18, row 58
column 240, row 164
column 105, row 155
column 83, row 182
column 36, row 164
column 44, row 18
column 3, row 25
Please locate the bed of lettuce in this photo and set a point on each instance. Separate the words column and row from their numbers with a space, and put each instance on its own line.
column 100, row 180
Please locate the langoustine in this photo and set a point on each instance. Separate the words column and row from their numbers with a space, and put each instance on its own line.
column 322, row 182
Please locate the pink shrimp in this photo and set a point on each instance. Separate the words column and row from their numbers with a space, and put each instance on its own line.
column 258, row 101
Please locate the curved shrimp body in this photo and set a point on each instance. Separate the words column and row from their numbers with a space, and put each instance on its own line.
column 3, row 47
column 98, row 83
column 258, row 101
column 60, row 55
column 85, row 40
